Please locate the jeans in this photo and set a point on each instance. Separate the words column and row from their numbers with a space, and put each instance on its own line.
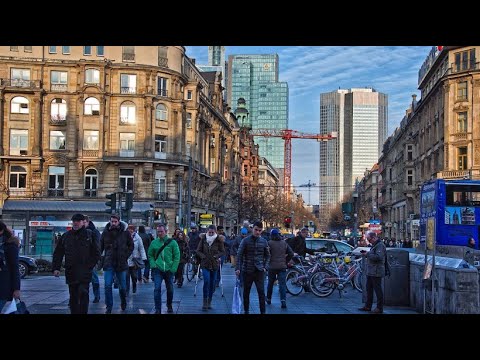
column 146, row 271
column 158, row 276
column 95, row 281
column 209, row 281
column 108, row 277
column 281, row 275
column 78, row 298
column 131, row 273
column 257, row 277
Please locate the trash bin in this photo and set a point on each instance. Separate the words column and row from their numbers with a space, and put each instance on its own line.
column 397, row 285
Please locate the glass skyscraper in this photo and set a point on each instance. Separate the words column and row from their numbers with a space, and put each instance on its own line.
column 255, row 78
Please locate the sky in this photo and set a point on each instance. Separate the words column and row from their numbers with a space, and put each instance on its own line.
column 312, row 70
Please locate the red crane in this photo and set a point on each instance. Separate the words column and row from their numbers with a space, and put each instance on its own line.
column 288, row 135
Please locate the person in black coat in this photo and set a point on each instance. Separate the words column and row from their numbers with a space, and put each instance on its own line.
column 95, row 281
column 9, row 274
column 81, row 252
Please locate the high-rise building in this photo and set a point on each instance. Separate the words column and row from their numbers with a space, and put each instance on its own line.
column 360, row 118
column 216, row 62
column 255, row 79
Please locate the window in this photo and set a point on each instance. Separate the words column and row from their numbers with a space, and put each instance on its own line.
column 465, row 60
column 19, row 105
column 462, row 158
column 245, row 170
column 128, row 84
column 18, row 177
column 58, row 80
column 161, row 112
column 13, row 48
column 409, row 177
column 58, row 110
column 87, row 50
column 188, row 149
column 390, row 171
column 100, row 51
column 409, row 152
column 127, row 113
column 126, row 179
column 189, row 95
column 462, row 122
column 127, row 144
column 162, row 56
column 92, row 106
column 160, row 147
column 91, row 183
column 128, row 53
column 162, row 86
column 92, row 76
column 18, row 142
column 20, row 77
column 56, row 180
column 57, row 140
column 65, row 50
column 161, row 184
column 27, row 49
column 261, row 175
column 90, row 140
column 52, row 49
column 189, row 120
column 462, row 90
column 212, row 165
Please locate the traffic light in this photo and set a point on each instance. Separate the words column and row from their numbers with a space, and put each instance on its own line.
column 112, row 204
column 128, row 201
column 287, row 221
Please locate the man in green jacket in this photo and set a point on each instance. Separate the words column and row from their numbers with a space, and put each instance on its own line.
column 164, row 257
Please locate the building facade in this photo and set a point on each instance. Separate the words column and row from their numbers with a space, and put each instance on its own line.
column 216, row 62
column 80, row 122
column 255, row 79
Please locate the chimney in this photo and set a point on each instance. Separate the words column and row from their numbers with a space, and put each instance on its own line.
column 414, row 101
column 193, row 61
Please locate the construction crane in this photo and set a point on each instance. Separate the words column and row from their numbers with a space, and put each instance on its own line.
column 288, row 135
column 309, row 185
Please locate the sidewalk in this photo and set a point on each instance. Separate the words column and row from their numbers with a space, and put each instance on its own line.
column 49, row 295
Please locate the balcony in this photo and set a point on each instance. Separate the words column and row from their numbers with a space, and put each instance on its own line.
column 162, row 92
column 463, row 136
column 128, row 57
column 20, row 116
column 58, row 119
column 90, row 153
column 58, row 87
column 128, row 90
column 453, row 174
column 56, row 192
column 167, row 158
column 20, row 83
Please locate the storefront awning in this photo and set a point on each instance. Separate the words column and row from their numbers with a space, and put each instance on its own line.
column 66, row 206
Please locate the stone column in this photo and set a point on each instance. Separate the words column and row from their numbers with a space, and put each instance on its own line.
column 148, row 127
column 37, row 126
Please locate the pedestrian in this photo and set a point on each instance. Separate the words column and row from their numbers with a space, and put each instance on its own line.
column 147, row 240
column 117, row 244
column 138, row 256
column 471, row 242
column 221, row 232
column 280, row 254
column 298, row 244
column 376, row 258
column 81, row 252
column 95, row 281
column 253, row 258
column 9, row 271
column 236, row 244
column 164, row 257
column 182, row 242
column 211, row 248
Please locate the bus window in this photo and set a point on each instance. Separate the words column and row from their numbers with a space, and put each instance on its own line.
column 461, row 195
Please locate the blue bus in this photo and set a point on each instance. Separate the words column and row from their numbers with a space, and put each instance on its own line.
column 450, row 210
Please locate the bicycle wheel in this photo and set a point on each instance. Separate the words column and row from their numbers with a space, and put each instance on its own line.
column 319, row 286
column 190, row 271
column 294, row 285
column 357, row 281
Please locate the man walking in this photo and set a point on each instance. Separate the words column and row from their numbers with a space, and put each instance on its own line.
column 95, row 281
column 376, row 258
column 253, row 259
column 81, row 252
column 118, row 246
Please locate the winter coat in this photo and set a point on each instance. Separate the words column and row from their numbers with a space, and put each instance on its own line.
column 81, row 253
column 253, row 254
column 10, row 274
column 138, row 250
column 376, row 260
column 235, row 245
column 169, row 258
column 184, row 250
column 299, row 246
column 118, row 246
column 146, row 240
column 280, row 254
column 194, row 239
column 209, row 255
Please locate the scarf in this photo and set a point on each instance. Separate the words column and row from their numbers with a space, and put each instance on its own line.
column 210, row 239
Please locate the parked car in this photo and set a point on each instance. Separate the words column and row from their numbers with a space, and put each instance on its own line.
column 328, row 245
column 27, row 265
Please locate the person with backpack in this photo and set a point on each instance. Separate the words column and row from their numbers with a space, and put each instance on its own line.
column 164, row 257
column 81, row 253
column 9, row 272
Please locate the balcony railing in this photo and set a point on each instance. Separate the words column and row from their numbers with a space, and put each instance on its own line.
column 454, row 174
column 56, row 192
column 128, row 57
column 58, row 119
column 58, row 87
column 460, row 136
column 19, row 116
column 166, row 157
column 20, row 83
column 90, row 153
column 90, row 193
column 162, row 92
column 128, row 90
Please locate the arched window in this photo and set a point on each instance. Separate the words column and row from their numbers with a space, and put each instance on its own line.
column 58, row 109
column 92, row 106
column 91, row 176
column 127, row 113
column 161, row 112
column 92, row 76
column 19, row 105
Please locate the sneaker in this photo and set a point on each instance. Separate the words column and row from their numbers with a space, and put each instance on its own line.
column 268, row 301
column 284, row 304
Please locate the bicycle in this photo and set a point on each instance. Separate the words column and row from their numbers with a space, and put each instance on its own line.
column 191, row 267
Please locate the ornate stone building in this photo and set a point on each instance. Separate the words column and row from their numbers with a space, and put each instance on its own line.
column 80, row 122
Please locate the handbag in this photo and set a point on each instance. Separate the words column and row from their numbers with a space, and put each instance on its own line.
column 138, row 263
column 237, row 299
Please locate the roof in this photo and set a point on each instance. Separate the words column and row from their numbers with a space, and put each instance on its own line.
column 66, row 206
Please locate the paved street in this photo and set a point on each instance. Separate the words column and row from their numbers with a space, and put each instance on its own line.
column 45, row 294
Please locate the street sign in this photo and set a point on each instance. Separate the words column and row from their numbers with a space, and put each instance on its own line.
column 206, row 216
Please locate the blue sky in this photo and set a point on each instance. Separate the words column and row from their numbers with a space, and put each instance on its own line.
column 311, row 70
